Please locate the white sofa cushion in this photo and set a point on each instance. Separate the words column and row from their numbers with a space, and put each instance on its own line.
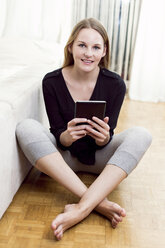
column 19, row 51
column 22, row 67
column 11, row 171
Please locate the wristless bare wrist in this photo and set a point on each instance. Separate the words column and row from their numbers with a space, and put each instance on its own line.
column 64, row 139
column 103, row 143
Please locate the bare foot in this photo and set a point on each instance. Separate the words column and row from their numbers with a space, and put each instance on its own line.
column 71, row 216
column 112, row 211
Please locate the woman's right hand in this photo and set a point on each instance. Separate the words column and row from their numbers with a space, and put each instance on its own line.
column 73, row 131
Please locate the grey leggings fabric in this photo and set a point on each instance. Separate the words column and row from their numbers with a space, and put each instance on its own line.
column 125, row 150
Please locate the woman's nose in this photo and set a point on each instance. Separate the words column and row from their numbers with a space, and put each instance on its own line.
column 88, row 52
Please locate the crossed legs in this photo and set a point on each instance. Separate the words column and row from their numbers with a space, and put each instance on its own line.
column 125, row 150
column 91, row 198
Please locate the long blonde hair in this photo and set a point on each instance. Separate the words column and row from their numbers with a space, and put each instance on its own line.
column 87, row 23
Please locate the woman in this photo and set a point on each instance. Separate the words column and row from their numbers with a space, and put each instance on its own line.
column 91, row 147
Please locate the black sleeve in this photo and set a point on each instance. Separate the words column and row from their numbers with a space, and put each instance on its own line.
column 56, row 121
column 113, row 111
column 118, row 101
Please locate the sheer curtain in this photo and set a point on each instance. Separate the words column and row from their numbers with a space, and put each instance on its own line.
column 48, row 20
column 33, row 32
column 52, row 20
column 120, row 18
column 148, row 70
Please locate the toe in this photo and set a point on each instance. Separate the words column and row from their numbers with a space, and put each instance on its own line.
column 117, row 217
column 53, row 225
column 59, row 235
column 114, row 223
column 117, row 208
column 57, row 221
column 58, row 230
column 120, row 211
column 123, row 212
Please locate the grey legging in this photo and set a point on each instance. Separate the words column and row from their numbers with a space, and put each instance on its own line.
column 125, row 150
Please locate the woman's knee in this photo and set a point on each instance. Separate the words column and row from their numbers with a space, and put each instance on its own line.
column 134, row 143
column 34, row 140
column 26, row 124
column 26, row 128
column 142, row 135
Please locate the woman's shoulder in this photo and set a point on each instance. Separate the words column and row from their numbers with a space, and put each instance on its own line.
column 52, row 74
column 112, row 79
column 110, row 74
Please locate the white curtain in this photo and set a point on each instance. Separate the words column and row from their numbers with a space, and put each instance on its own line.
column 120, row 18
column 47, row 20
column 52, row 21
column 148, row 70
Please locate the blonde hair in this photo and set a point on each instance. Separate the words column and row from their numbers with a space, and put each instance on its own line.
column 87, row 23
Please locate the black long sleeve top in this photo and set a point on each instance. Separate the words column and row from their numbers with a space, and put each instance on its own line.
column 60, row 109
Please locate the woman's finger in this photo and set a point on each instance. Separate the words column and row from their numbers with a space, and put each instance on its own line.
column 95, row 132
column 104, row 130
column 78, row 127
column 102, row 123
column 77, row 133
column 96, row 138
column 106, row 119
column 76, row 121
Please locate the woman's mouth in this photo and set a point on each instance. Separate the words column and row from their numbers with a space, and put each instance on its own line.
column 87, row 61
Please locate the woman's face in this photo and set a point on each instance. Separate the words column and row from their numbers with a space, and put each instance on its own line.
column 88, row 49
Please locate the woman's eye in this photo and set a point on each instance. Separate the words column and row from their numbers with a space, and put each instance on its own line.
column 81, row 45
column 96, row 47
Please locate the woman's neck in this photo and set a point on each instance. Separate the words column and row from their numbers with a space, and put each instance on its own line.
column 81, row 76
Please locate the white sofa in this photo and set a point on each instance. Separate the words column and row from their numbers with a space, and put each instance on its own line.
column 23, row 64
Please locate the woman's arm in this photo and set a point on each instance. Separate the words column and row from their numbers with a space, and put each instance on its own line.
column 73, row 131
column 65, row 132
column 99, row 130
column 102, row 130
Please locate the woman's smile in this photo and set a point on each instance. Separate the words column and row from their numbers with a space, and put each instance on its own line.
column 87, row 61
column 88, row 49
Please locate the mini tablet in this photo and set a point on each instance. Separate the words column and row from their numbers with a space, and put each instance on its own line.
column 88, row 109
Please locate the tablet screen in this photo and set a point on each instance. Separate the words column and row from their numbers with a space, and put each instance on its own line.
column 88, row 109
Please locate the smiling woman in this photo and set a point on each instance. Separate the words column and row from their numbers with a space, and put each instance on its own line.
column 92, row 145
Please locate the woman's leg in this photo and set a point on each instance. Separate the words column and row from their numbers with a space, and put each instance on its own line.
column 62, row 173
column 38, row 145
column 33, row 147
column 127, row 148
column 105, row 183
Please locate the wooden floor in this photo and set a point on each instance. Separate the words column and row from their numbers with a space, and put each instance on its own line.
column 27, row 221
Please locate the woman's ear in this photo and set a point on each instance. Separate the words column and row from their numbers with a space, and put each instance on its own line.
column 104, row 51
column 70, row 49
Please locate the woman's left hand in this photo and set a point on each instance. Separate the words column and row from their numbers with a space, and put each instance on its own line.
column 99, row 130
